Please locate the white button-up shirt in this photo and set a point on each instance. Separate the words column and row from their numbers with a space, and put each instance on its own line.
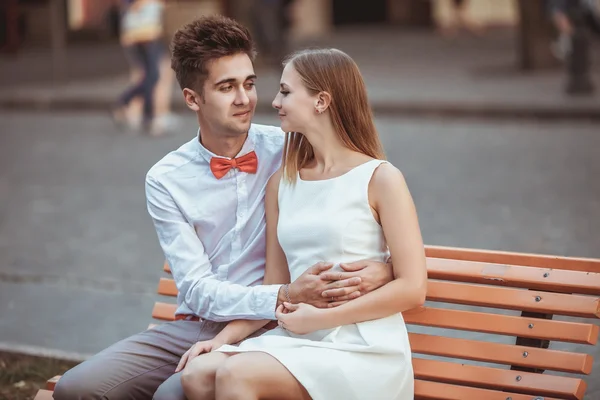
column 212, row 231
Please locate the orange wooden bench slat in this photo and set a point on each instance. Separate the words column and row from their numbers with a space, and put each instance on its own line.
column 164, row 311
column 499, row 379
column 437, row 390
column 500, row 353
column 572, row 332
column 470, row 349
column 487, row 296
column 513, row 299
column 51, row 383
column 43, row 395
column 551, row 280
column 472, row 321
column 167, row 287
column 423, row 390
column 501, row 274
column 477, row 267
column 505, row 257
column 428, row 390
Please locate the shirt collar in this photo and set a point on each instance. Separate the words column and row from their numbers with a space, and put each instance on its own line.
column 246, row 148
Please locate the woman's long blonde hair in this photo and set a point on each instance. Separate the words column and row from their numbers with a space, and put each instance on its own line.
column 334, row 72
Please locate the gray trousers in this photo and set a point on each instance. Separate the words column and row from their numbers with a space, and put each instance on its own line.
column 139, row 367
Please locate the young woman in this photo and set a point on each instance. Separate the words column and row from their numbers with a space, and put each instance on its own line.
column 335, row 199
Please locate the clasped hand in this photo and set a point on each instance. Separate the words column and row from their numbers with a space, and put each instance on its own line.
column 301, row 319
column 323, row 287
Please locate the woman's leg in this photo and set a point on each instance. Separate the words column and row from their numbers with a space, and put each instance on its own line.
column 256, row 375
column 198, row 377
column 120, row 110
column 137, row 54
column 152, row 52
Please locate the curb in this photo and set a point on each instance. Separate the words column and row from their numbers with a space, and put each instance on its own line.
column 43, row 352
column 426, row 109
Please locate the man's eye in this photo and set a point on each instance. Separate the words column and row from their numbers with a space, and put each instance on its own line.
column 226, row 88
column 249, row 86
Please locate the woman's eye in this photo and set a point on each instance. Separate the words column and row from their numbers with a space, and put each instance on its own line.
column 284, row 92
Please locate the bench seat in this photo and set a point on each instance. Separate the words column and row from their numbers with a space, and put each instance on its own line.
column 496, row 325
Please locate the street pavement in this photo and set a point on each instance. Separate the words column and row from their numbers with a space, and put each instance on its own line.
column 80, row 262
column 406, row 72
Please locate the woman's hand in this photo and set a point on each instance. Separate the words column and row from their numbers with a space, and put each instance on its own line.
column 199, row 348
column 300, row 318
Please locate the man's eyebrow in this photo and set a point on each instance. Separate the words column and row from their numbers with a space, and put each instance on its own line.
column 233, row 80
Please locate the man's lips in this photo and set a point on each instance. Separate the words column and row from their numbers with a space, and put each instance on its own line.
column 240, row 114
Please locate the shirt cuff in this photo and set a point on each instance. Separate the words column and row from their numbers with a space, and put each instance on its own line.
column 265, row 301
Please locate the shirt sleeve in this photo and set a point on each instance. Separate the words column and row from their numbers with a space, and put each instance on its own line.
column 201, row 290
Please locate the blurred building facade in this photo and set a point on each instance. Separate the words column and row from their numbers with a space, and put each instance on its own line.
column 309, row 18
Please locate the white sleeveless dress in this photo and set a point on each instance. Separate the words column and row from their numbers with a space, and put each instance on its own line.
column 331, row 220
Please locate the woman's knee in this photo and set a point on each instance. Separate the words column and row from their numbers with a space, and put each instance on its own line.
column 198, row 377
column 234, row 373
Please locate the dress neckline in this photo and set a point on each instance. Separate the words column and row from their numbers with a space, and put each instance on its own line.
column 339, row 176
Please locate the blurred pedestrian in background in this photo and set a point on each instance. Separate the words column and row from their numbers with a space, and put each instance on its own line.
column 459, row 19
column 558, row 11
column 141, row 37
column 270, row 25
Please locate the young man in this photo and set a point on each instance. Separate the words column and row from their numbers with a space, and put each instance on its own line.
column 207, row 203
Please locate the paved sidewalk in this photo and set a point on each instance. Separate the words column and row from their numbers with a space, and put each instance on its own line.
column 406, row 73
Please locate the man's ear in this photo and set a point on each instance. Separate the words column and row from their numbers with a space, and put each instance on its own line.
column 192, row 99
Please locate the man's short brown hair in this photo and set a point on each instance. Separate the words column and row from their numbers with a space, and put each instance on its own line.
column 203, row 40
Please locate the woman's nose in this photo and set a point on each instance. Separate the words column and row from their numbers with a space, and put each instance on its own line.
column 276, row 104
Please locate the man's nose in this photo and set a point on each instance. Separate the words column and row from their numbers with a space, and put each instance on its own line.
column 242, row 97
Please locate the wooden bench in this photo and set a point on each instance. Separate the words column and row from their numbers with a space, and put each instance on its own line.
column 496, row 312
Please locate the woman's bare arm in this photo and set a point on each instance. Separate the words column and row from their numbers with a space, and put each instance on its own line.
column 276, row 268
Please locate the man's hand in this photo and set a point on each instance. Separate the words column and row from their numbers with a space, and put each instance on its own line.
column 309, row 287
column 372, row 274
column 199, row 348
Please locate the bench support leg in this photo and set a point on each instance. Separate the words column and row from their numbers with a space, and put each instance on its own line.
column 538, row 343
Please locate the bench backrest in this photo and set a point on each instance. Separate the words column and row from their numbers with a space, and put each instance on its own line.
column 486, row 329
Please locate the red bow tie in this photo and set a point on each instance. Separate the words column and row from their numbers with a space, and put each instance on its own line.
column 246, row 163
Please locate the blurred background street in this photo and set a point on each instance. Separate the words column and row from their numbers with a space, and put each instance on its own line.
column 496, row 129
column 407, row 72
